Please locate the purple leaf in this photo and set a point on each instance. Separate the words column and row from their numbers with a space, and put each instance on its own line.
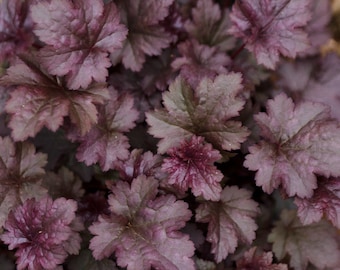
column 271, row 27
column 16, row 26
column 315, row 243
column 231, row 220
column 324, row 203
column 105, row 142
column 64, row 183
column 139, row 163
column 205, row 111
column 199, row 61
column 256, row 260
column 299, row 142
column 79, row 35
column 145, row 36
column 42, row 232
column 209, row 25
column 317, row 28
column 191, row 165
column 21, row 171
column 324, row 86
column 143, row 230
column 39, row 100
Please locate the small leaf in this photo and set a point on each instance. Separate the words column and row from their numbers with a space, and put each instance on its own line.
column 105, row 142
column 209, row 25
column 254, row 259
column 191, row 165
column 325, row 202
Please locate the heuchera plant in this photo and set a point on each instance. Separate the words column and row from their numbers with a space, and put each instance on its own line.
column 169, row 134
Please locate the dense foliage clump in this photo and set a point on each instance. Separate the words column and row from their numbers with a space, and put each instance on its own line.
column 169, row 134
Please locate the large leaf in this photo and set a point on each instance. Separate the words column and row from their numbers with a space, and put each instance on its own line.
column 39, row 100
column 143, row 230
column 315, row 243
column 271, row 27
column 79, row 35
column 205, row 111
column 299, row 142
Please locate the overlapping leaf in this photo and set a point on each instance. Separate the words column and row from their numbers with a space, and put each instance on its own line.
column 39, row 100
column 146, row 36
column 105, row 142
column 231, row 220
column 199, row 61
column 299, row 141
column 64, row 183
column 15, row 28
column 325, row 202
column 79, row 35
column 205, row 111
column 271, row 27
column 254, row 259
column 21, row 171
column 143, row 230
column 315, row 243
column 209, row 25
column 191, row 165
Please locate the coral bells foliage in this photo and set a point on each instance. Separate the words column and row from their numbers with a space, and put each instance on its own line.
column 300, row 141
column 145, row 223
column 191, row 165
column 231, row 220
column 254, row 259
column 271, row 28
column 205, row 111
column 180, row 134
column 43, row 232
column 15, row 28
column 21, row 174
column 79, row 35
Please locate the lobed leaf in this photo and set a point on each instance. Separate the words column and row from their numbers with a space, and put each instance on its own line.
column 271, row 27
column 205, row 111
column 79, row 35
column 231, row 220
column 299, row 142
column 143, row 230
column 21, row 171
column 39, row 100
column 315, row 243
column 146, row 36
column 105, row 142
